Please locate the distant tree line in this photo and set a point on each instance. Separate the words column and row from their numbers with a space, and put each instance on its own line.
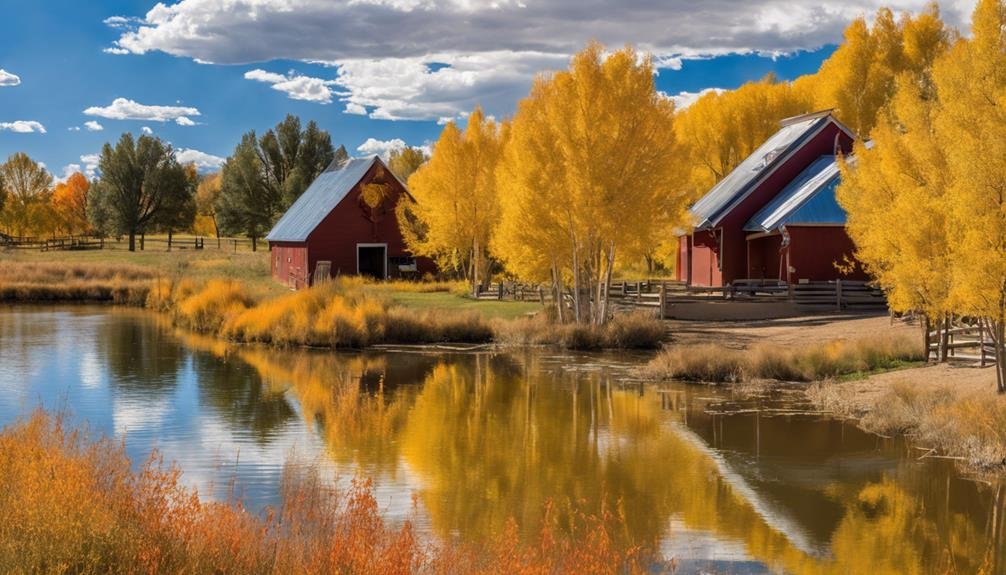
column 141, row 188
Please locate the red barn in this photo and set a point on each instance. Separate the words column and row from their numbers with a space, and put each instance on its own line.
column 775, row 216
column 347, row 219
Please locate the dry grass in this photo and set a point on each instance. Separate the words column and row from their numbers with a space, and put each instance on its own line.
column 632, row 331
column 73, row 505
column 50, row 281
column 962, row 422
column 717, row 364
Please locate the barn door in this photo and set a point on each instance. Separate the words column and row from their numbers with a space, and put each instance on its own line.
column 372, row 260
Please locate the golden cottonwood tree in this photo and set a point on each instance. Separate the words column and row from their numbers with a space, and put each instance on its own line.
column 28, row 187
column 971, row 125
column 720, row 129
column 588, row 172
column 69, row 205
column 456, row 206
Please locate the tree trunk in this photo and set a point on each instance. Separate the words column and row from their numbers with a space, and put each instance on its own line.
column 925, row 335
column 603, row 286
column 576, row 283
column 1000, row 325
column 254, row 244
column 944, row 337
column 169, row 240
column 475, row 266
column 143, row 241
column 132, row 241
column 557, row 286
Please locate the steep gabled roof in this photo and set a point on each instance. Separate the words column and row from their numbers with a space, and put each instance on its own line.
column 793, row 134
column 808, row 199
column 320, row 198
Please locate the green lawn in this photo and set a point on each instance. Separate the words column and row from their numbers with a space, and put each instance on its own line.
column 450, row 302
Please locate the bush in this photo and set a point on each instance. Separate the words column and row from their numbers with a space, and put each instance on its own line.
column 71, row 504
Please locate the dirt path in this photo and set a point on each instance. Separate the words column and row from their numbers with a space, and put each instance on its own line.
column 791, row 331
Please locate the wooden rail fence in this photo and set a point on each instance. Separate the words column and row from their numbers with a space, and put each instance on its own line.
column 964, row 340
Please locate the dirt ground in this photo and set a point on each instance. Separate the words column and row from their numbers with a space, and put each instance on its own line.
column 790, row 331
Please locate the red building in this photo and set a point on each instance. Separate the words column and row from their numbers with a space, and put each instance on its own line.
column 775, row 216
column 334, row 222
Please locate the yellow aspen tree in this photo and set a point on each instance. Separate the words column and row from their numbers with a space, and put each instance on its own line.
column 588, row 172
column 719, row 130
column 971, row 125
column 69, row 204
column 456, row 207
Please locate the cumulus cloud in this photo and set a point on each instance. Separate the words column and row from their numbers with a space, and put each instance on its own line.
column 125, row 109
column 147, row 130
column 204, row 162
column 684, row 99
column 23, row 127
column 93, row 126
column 8, row 79
column 383, row 148
column 295, row 86
column 90, row 162
column 446, row 55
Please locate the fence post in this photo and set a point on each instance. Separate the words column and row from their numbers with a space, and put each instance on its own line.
column 838, row 294
column 663, row 300
column 981, row 343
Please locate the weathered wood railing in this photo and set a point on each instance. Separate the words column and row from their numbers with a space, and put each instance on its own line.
column 963, row 340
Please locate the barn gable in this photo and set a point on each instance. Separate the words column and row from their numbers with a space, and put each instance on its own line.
column 809, row 200
column 795, row 132
column 320, row 198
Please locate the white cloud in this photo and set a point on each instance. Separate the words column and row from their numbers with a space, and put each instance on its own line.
column 204, row 162
column 295, row 86
column 93, row 126
column 90, row 162
column 125, row 109
column 146, row 130
column 7, row 79
column 73, row 129
column 23, row 127
column 382, row 148
column 492, row 50
column 684, row 99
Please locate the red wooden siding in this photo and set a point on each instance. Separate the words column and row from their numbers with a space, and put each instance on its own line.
column 717, row 261
column 336, row 238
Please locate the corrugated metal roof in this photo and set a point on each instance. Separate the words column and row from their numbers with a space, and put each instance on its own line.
column 320, row 198
column 808, row 199
column 794, row 132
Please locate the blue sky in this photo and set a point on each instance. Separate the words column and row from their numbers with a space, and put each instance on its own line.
column 377, row 70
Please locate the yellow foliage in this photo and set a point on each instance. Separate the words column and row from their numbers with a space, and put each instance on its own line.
column 589, row 170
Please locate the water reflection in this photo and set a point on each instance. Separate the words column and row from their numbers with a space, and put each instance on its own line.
column 716, row 480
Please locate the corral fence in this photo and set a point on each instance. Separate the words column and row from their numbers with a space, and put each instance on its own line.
column 660, row 295
column 143, row 243
column 961, row 340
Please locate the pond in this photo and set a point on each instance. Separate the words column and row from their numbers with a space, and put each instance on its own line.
column 734, row 480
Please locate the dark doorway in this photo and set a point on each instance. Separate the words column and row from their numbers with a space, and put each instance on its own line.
column 371, row 261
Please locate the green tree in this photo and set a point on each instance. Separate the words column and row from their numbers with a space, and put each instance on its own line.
column 247, row 204
column 143, row 185
column 292, row 158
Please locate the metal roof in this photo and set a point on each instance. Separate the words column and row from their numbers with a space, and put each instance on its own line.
column 808, row 199
column 738, row 183
column 320, row 198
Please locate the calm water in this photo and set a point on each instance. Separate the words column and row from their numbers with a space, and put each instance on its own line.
column 717, row 480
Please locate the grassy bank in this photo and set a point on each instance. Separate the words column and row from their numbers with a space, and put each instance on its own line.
column 73, row 504
column 713, row 363
column 952, row 410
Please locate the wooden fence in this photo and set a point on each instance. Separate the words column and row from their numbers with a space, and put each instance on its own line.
column 143, row 243
column 659, row 295
column 962, row 340
column 50, row 244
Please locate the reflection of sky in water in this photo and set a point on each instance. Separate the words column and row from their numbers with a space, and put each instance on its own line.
column 495, row 431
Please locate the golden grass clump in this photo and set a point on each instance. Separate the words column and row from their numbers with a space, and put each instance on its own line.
column 630, row 331
column 210, row 308
column 715, row 364
column 74, row 505
column 55, row 282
